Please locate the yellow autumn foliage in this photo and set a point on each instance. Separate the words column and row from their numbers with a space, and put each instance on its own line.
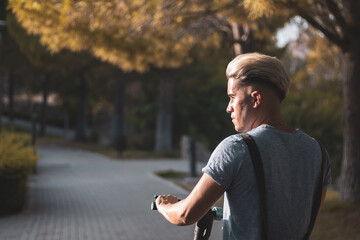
column 132, row 35
column 259, row 8
column 16, row 154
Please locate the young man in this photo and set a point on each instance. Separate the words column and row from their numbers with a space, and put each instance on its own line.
column 291, row 159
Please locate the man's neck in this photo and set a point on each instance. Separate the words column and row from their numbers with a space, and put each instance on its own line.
column 274, row 121
column 282, row 126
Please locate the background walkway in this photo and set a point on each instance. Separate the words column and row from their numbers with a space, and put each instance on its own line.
column 78, row 195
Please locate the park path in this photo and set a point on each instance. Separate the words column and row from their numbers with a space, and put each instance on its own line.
column 78, row 195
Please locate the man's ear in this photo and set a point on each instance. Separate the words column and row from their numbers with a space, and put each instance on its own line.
column 256, row 97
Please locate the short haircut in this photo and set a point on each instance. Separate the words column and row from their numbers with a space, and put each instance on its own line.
column 255, row 68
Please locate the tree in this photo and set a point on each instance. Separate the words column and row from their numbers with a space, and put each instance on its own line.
column 66, row 63
column 2, row 27
column 15, row 66
column 339, row 21
column 19, row 67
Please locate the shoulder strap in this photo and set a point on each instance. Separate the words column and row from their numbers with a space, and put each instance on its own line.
column 260, row 178
column 317, row 195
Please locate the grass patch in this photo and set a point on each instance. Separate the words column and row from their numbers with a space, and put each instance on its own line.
column 337, row 220
column 13, row 128
column 171, row 174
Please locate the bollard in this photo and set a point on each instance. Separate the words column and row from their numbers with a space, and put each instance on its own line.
column 33, row 124
column 66, row 124
column 192, row 158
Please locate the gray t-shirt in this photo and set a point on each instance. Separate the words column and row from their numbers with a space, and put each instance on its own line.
column 292, row 163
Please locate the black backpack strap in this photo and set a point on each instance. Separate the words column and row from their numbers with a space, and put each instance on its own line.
column 260, row 178
column 317, row 195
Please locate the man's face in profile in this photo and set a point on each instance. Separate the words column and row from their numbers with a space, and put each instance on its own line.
column 238, row 105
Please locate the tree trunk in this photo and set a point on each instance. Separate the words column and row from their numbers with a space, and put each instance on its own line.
column 81, row 127
column 236, row 37
column 248, row 40
column 117, row 130
column 43, row 116
column 243, row 38
column 350, row 170
column 164, row 115
column 11, row 98
column 1, row 98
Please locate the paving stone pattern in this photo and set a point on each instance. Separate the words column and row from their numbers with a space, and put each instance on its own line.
column 78, row 195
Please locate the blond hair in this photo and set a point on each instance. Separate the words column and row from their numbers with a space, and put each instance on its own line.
column 256, row 68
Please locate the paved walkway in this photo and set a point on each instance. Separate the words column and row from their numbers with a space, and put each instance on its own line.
column 77, row 195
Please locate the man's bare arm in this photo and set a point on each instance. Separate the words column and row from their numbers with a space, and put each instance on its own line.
column 194, row 207
column 323, row 195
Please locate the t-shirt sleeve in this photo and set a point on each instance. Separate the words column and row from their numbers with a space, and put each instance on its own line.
column 225, row 161
column 327, row 170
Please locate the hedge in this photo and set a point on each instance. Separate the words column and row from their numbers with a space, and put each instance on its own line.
column 17, row 161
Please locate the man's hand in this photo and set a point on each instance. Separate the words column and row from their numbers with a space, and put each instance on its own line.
column 165, row 200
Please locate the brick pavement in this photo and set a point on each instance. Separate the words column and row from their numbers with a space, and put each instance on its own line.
column 77, row 195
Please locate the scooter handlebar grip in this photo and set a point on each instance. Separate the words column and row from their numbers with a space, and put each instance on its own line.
column 153, row 206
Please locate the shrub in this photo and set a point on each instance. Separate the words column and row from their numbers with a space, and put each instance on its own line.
column 17, row 161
